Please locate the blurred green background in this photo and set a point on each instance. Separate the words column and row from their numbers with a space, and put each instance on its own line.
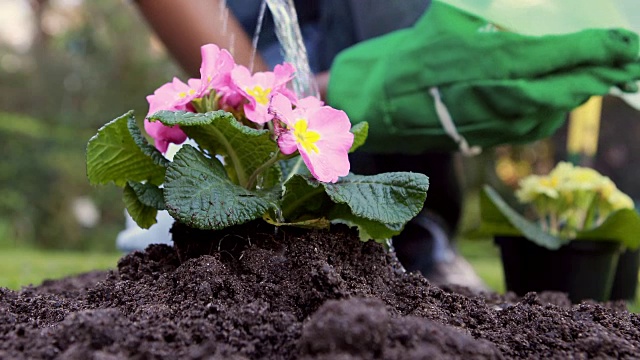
column 66, row 68
column 69, row 66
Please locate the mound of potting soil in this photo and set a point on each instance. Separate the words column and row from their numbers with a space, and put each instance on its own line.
column 288, row 294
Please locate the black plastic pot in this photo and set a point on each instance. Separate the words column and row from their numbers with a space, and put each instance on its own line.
column 583, row 269
column 625, row 283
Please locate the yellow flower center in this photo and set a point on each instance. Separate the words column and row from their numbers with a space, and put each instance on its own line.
column 183, row 94
column 306, row 138
column 259, row 94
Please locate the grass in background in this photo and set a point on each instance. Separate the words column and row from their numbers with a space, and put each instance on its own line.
column 484, row 257
column 21, row 266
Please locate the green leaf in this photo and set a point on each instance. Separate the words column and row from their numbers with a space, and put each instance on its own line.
column 303, row 196
column 143, row 214
column 360, row 132
column 493, row 221
column 367, row 229
column 244, row 149
column 270, row 180
column 390, row 198
column 144, row 145
column 199, row 193
column 623, row 225
column 116, row 155
column 498, row 218
column 294, row 166
column 148, row 194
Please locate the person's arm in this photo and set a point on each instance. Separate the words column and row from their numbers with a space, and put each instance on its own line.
column 184, row 26
column 444, row 84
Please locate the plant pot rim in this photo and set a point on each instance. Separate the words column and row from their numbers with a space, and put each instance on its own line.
column 575, row 244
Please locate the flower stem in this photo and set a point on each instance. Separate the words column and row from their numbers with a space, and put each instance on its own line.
column 295, row 168
column 553, row 224
column 251, row 183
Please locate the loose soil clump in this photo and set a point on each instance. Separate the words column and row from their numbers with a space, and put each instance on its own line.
column 256, row 293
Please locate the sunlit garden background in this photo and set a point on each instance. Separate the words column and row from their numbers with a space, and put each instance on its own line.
column 66, row 67
column 69, row 66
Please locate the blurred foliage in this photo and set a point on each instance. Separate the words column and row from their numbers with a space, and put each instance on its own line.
column 53, row 98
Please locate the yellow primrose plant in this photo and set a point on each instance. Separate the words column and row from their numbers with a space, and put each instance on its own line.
column 570, row 203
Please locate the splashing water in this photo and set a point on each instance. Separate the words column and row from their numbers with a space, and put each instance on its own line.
column 295, row 52
column 256, row 34
column 223, row 16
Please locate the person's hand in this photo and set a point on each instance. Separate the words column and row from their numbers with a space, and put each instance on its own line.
column 497, row 86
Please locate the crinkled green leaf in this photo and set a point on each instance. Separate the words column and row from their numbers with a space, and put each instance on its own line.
column 303, row 196
column 360, row 132
column 306, row 197
column 148, row 194
column 199, row 193
column 243, row 148
column 623, row 225
column 113, row 155
column 367, row 229
column 389, row 198
column 144, row 215
column 498, row 218
column 144, row 145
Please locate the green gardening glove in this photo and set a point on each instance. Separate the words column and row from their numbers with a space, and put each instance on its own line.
column 493, row 87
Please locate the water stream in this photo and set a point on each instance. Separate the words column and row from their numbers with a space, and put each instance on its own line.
column 256, row 34
column 295, row 52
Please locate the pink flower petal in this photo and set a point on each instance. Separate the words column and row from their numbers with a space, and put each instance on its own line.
column 327, row 167
column 282, row 74
column 259, row 88
column 287, row 143
column 309, row 102
column 163, row 135
column 184, row 93
column 280, row 106
column 257, row 113
column 162, row 99
column 321, row 134
column 215, row 69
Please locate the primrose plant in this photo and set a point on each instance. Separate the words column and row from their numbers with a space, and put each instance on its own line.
column 571, row 199
column 570, row 203
column 257, row 151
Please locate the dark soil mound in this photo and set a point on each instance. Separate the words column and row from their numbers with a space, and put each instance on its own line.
column 292, row 294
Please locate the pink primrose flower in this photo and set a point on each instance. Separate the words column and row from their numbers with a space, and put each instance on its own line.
column 215, row 71
column 308, row 102
column 230, row 98
column 175, row 95
column 163, row 135
column 321, row 135
column 172, row 96
column 260, row 87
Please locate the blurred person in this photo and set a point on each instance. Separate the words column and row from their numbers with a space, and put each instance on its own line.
column 331, row 28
